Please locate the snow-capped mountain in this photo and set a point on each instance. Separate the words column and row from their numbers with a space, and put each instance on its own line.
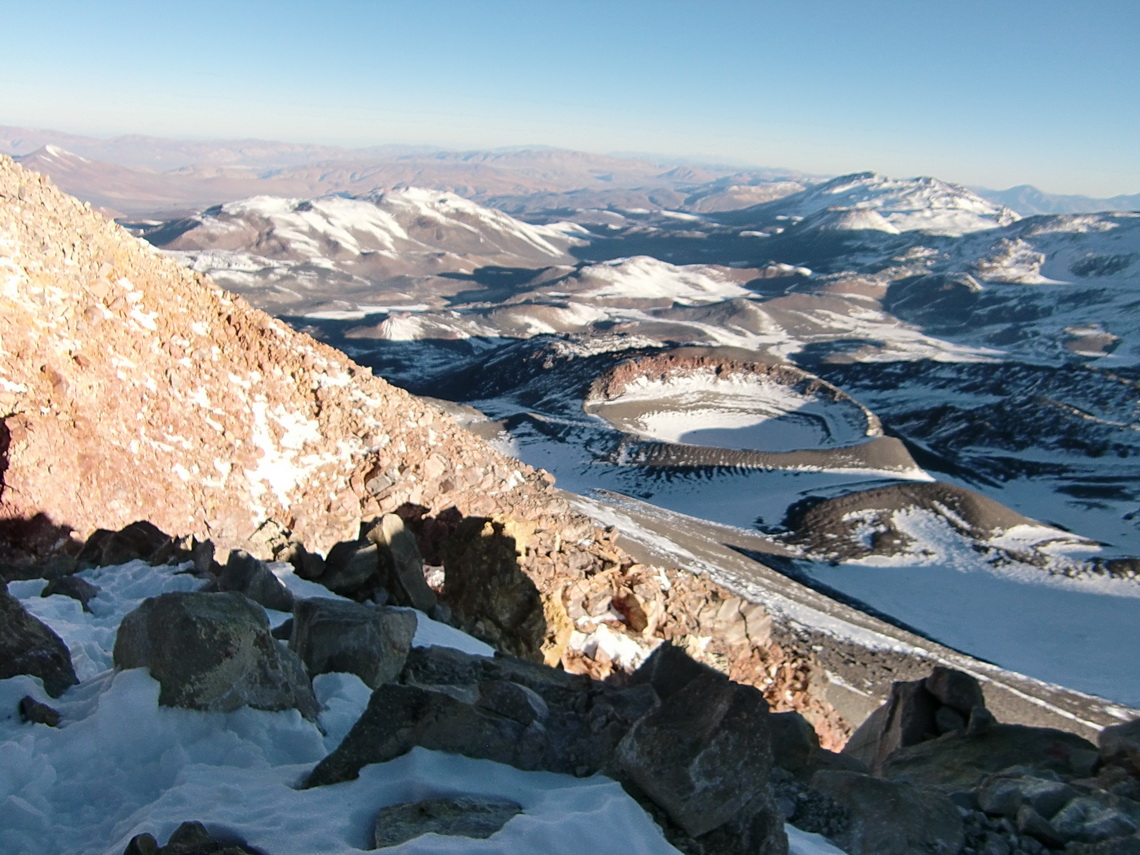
column 330, row 247
column 917, row 204
column 1028, row 200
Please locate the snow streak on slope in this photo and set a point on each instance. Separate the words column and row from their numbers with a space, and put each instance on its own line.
column 645, row 278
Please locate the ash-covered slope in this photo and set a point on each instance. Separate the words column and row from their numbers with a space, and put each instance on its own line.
column 132, row 388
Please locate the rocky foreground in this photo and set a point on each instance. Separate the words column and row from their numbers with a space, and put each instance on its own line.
column 930, row 771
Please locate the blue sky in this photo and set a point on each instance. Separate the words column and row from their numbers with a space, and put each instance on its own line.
column 991, row 92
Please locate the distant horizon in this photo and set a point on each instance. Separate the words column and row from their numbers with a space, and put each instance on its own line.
column 977, row 93
column 661, row 158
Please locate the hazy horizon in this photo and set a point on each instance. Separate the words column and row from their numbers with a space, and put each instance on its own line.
column 996, row 95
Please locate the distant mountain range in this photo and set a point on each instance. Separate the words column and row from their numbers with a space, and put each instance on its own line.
column 133, row 175
column 1026, row 200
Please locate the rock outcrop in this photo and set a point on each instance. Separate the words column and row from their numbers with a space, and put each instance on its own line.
column 28, row 646
column 699, row 758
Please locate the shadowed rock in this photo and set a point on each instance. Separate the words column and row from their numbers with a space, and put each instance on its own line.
column 352, row 569
column 917, row 711
column 401, row 567
column 959, row 761
column 398, row 718
column 334, row 635
column 139, row 540
column 29, row 646
column 250, row 576
column 889, row 818
column 213, row 651
column 1120, row 746
column 703, row 755
column 490, row 594
column 464, row 816
column 74, row 587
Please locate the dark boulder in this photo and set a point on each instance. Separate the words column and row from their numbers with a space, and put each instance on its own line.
column 72, row 586
column 957, row 690
column 251, row 576
column 33, row 711
column 917, row 711
column 401, row 566
column 138, row 541
column 795, row 743
column 889, row 818
column 352, row 569
column 29, row 646
column 213, row 651
column 669, row 669
column 399, row 718
column 335, row 635
column 1120, row 746
column 190, row 838
column 960, row 761
column 704, row 755
column 462, row 816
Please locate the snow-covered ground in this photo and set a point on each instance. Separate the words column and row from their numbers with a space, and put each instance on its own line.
column 1078, row 633
column 120, row 765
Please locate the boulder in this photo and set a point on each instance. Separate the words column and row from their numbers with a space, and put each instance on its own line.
column 1117, row 846
column 795, row 743
column 1120, row 746
column 701, row 760
column 189, row 838
column 703, row 754
column 462, row 816
column 251, row 576
column 669, row 669
column 335, row 635
column 572, row 724
column 957, row 690
column 1004, row 794
column 72, row 586
column 1087, row 820
column 890, row 818
column 213, row 651
column 401, row 567
column 306, row 564
column 136, row 541
column 399, row 718
column 960, row 761
column 947, row 701
column 906, row 718
column 35, row 712
column 29, row 646
column 352, row 569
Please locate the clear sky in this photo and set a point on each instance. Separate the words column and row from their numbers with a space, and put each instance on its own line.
column 990, row 92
